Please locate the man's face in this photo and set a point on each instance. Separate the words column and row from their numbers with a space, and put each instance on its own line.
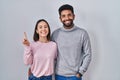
column 67, row 18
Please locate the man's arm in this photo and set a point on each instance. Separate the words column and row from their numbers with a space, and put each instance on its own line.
column 86, row 48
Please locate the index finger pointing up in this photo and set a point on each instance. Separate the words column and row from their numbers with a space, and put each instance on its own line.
column 25, row 35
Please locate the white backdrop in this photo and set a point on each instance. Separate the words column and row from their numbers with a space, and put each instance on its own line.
column 101, row 18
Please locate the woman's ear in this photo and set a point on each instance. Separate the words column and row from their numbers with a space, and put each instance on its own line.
column 37, row 31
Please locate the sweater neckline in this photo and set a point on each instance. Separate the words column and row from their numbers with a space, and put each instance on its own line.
column 43, row 42
column 64, row 29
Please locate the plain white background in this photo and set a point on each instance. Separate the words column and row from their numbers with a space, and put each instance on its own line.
column 101, row 18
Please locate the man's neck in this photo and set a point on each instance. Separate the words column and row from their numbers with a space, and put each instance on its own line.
column 68, row 27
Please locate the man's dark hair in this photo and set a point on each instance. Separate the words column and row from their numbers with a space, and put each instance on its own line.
column 66, row 7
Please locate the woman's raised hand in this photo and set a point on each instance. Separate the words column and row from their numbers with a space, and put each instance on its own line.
column 25, row 40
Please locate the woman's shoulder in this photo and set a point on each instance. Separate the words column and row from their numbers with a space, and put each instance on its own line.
column 33, row 43
column 53, row 43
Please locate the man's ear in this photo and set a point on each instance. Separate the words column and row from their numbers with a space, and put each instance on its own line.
column 60, row 18
column 73, row 16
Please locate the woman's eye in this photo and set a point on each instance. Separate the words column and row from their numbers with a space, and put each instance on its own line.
column 45, row 26
column 40, row 27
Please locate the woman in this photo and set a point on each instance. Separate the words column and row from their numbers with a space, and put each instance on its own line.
column 41, row 53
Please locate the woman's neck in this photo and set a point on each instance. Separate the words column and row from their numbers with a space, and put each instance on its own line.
column 43, row 39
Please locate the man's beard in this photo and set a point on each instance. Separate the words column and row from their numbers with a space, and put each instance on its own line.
column 68, row 24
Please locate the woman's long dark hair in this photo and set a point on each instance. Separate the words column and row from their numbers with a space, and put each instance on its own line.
column 36, row 35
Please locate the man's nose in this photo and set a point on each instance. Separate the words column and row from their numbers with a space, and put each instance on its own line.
column 67, row 17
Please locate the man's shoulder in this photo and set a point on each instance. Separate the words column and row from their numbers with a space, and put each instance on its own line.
column 55, row 33
column 56, row 30
column 80, row 29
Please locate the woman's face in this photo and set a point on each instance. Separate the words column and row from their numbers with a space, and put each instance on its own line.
column 42, row 29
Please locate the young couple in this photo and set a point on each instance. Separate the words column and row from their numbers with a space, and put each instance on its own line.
column 69, row 46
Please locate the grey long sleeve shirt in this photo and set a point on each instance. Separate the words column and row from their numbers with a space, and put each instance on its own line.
column 74, row 51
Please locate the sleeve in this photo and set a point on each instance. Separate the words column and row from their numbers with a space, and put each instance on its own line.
column 87, row 54
column 28, row 56
column 55, row 35
column 52, row 36
column 56, row 51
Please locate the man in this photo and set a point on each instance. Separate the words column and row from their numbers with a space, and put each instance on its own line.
column 74, row 49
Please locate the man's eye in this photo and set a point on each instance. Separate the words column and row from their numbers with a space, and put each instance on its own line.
column 63, row 16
